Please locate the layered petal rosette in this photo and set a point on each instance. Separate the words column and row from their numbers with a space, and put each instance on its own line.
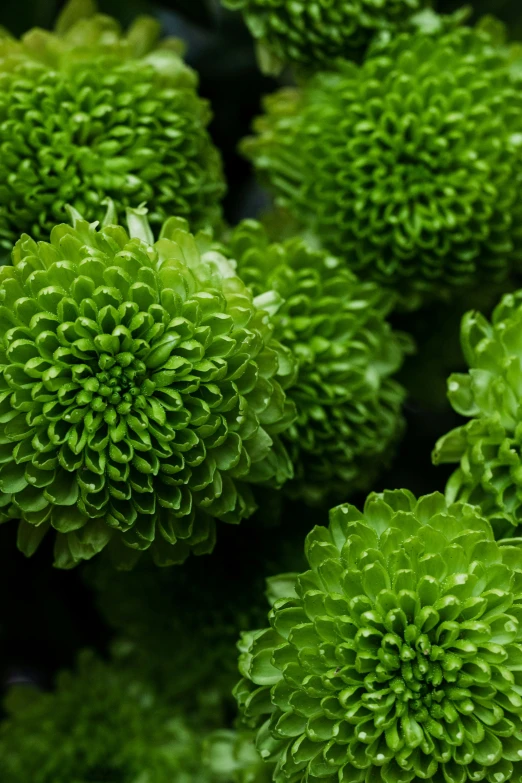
column 312, row 33
column 398, row 655
column 89, row 112
column 100, row 725
column 140, row 392
column 409, row 166
column 488, row 447
column 349, row 406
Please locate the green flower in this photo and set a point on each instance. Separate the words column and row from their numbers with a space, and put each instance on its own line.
column 409, row 166
column 488, row 447
column 314, row 32
column 89, row 112
column 101, row 725
column 398, row 655
column 349, row 408
column 139, row 392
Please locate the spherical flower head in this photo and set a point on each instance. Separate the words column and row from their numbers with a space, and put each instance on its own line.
column 397, row 656
column 100, row 724
column 89, row 112
column 140, row 391
column 349, row 407
column 488, row 446
column 409, row 166
column 314, row 33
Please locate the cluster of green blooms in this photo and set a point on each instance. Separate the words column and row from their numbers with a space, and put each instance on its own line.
column 348, row 407
column 156, row 379
column 100, row 725
column 140, row 394
column 311, row 33
column 396, row 657
column 409, row 166
column 488, row 446
column 89, row 112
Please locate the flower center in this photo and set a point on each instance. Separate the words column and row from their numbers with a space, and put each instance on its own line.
column 415, row 671
column 114, row 382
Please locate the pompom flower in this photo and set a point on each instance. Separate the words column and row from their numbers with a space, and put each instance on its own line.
column 488, row 447
column 397, row 658
column 101, row 724
column 89, row 112
column 409, row 166
column 314, row 32
column 140, row 393
column 349, row 408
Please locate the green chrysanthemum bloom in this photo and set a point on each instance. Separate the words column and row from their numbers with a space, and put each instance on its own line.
column 88, row 112
column 489, row 446
column 398, row 656
column 99, row 726
column 314, row 32
column 409, row 166
column 348, row 406
column 139, row 392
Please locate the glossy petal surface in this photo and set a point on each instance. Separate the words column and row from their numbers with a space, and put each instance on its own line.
column 349, row 406
column 409, row 166
column 140, row 392
column 397, row 656
column 90, row 112
column 488, row 447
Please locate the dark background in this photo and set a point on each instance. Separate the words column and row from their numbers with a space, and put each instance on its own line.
column 47, row 615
